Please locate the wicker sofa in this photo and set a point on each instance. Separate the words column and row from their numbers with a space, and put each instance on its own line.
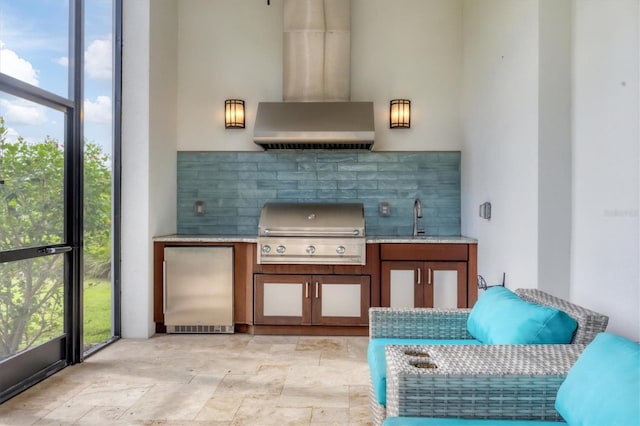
column 415, row 326
column 601, row 387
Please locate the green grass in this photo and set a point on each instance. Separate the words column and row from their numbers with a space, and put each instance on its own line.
column 97, row 311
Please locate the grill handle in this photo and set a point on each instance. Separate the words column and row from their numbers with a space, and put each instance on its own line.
column 313, row 233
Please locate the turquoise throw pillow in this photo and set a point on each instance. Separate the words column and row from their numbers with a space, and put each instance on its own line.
column 502, row 317
column 603, row 386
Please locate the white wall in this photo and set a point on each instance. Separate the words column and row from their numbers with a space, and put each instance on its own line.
column 400, row 48
column 225, row 51
column 554, row 147
column 517, row 149
column 136, row 274
column 484, row 76
column 148, row 153
column 409, row 49
column 500, row 148
column 604, row 267
column 163, row 77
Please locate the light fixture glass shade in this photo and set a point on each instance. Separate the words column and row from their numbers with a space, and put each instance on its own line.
column 400, row 113
column 234, row 114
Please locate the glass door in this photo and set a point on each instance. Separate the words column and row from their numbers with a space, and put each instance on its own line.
column 32, row 236
column 35, row 248
column 41, row 169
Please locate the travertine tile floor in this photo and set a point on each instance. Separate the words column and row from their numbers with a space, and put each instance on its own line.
column 234, row 379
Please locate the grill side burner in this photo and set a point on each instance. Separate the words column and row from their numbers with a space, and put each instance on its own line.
column 312, row 233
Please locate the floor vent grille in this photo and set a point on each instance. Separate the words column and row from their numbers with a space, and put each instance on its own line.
column 200, row 329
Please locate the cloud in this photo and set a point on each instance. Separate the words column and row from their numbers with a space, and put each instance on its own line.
column 11, row 135
column 63, row 60
column 98, row 60
column 15, row 66
column 98, row 111
column 18, row 112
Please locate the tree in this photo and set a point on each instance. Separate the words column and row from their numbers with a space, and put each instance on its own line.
column 97, row 217
column 32, row 214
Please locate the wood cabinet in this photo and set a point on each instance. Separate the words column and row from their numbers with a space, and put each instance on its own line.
column 243, row 259
column 276, row 299
column 424, row 284
column 428, row 275
column 311, row 299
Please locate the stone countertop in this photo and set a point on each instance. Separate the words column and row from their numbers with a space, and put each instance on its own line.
column 177, row 238
column 182, row 238
column 421, row 240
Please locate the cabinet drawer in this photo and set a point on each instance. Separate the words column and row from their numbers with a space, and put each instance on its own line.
column 424, row 252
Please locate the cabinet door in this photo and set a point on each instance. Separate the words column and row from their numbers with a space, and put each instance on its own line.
column 402, row 284
column 341, row 299
column 424, row 284
column 445, row 284
column 282, row 299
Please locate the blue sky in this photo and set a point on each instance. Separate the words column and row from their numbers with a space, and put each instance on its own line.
column 34, row 48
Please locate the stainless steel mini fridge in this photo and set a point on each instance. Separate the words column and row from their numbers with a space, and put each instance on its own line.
column 198, row 289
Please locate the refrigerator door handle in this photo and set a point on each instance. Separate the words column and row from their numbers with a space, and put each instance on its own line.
column 164, row 287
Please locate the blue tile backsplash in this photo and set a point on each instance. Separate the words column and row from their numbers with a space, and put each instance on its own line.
column 235, row 185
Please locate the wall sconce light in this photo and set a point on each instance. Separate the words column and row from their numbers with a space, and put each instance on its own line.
column 400, row 113
column 234, row 114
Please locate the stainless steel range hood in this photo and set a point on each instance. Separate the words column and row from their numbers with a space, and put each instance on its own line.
column 314, row 125
column 316, row 112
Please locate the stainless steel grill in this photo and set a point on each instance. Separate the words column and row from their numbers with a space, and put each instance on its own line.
column 312, row 233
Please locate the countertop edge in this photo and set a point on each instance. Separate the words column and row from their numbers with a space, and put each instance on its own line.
column 424, row 240
column 177, row 238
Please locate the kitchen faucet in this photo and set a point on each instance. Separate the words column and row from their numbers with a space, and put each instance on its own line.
column 417, row 214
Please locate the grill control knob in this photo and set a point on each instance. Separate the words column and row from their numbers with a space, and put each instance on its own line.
column 311, row 249
column 266, row 249
column 280, row 249
column 341, row 250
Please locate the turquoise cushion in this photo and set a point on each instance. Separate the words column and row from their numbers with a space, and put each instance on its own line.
column 603, row 386
column 428, row 421
column 378, row 364
column 501, row 317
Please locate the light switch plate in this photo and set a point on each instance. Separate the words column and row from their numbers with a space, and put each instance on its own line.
column 485, row 210
column 199, row 208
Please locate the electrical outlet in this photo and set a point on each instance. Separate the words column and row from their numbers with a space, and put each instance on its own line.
column 384, row 209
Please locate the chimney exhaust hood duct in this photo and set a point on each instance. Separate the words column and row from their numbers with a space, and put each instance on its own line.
column 316, row 112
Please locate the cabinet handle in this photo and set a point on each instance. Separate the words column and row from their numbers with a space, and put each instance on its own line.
column 419, row 271
column 164, row 286
column 317, row 289
column 429, row 276
column 306, row 290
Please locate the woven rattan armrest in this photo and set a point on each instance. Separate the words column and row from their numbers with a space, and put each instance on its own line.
column 477, row 381
column 590, row 323
column 418, row 323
